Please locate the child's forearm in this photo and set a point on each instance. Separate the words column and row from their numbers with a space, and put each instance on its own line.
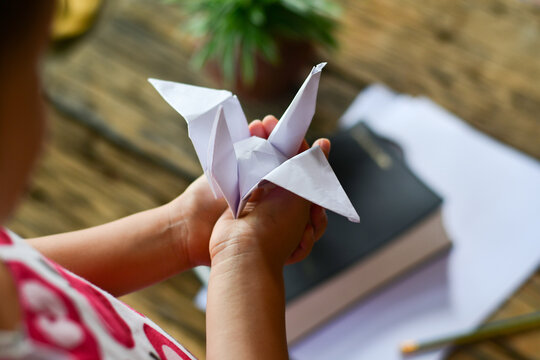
column 245, row 315
column 121, row 256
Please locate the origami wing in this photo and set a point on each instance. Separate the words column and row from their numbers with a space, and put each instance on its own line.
column 199, row 106
column 310, row 176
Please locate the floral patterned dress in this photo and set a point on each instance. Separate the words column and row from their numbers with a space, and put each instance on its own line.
column 66, row 317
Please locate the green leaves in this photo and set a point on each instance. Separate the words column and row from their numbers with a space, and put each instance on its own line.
column 235, row 32
column 256, row 16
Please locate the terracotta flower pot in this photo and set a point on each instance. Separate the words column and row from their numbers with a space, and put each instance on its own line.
column 271, row 80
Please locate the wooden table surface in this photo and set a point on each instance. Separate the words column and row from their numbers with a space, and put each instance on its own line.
column 116, row 148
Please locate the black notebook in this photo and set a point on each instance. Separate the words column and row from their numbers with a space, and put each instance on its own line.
column 400, row 227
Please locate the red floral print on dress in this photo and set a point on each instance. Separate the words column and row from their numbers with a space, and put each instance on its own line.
column 165, row 348
column 50, row 317
column 115, row 325
column 4, row 238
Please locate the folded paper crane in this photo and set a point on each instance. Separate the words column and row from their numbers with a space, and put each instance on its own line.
column 237, row 163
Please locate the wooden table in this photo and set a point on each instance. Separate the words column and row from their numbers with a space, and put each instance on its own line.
column 116, row 148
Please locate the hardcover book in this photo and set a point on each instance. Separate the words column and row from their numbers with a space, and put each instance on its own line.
column 400, row 228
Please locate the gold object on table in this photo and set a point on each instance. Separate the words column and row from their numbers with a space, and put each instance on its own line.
column 73, row 18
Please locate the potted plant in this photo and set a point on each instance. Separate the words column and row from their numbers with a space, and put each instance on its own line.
column 258, row 46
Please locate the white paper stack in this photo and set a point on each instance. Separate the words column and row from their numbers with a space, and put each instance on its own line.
column 491, row 212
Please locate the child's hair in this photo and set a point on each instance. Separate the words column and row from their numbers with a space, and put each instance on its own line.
column 24, row 30
column 24, row 27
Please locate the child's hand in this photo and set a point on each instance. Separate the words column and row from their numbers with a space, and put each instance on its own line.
column 278, row 225
column 193, row 214
column 246, row 290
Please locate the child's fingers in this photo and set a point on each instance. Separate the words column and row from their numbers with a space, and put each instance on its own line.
column 269, row 123
column 312, row 233
column 319, row 220
column 324, row 144
column 256, row 128
column 304, row 247
column 256, row 195
column 304, row 146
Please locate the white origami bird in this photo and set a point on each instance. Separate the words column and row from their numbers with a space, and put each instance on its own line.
column 237, row 163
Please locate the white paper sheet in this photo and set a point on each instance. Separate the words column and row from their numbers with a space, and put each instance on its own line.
column 236, row 164
column 491, row 212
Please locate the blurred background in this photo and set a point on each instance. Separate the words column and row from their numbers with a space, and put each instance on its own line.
column 115, row 147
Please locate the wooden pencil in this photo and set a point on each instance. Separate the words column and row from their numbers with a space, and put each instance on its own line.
column 488, row 331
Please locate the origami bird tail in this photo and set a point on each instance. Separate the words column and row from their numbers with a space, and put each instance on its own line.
column 292, row 127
